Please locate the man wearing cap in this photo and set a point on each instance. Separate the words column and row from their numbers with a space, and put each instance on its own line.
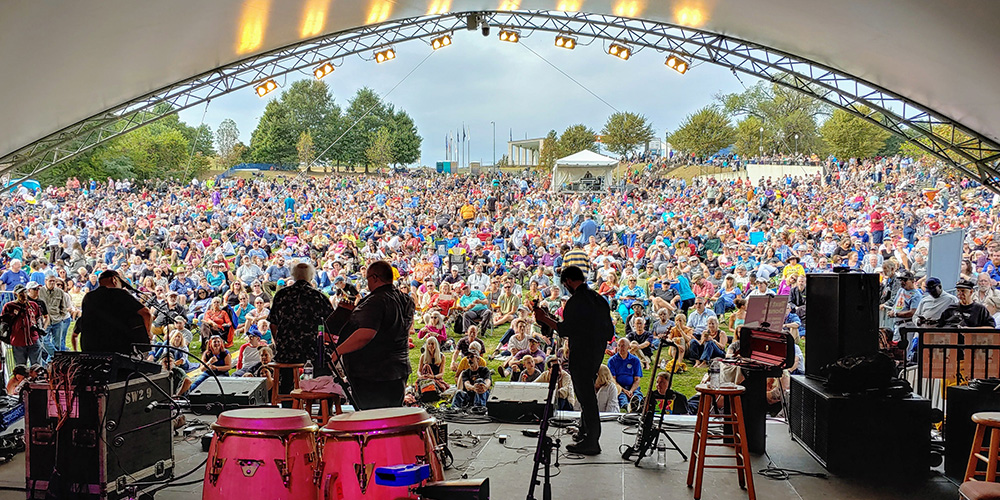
column 22, row 317
column 112, row 319
column 344, row 289
column 587, row 323
column 172, row 309
column 934, row 303
column 44, row 321
column 473, row 383
column 905, row 304
column 966, row 313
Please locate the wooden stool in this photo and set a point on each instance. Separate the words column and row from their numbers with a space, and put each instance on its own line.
column 276, row 396
column 978, row 490
column 303, row 400
column 696, row 468
column 983, row 421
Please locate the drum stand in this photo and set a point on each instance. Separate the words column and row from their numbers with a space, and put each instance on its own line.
column 543, row 451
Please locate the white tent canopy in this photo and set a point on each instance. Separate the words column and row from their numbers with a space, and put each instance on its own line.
column 66, row 61
column 583, row 171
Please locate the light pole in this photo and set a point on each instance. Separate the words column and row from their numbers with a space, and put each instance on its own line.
column 494, row 145
column 796, row 144
column 762, row 143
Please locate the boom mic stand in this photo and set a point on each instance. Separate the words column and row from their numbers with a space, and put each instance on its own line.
column 647, row 437
column 543, row 450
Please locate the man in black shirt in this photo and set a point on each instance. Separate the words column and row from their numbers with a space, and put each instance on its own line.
column 344, row 289
column 376, row 352
column 473, row 384
column 966, row 313
column 587, row 324
column 112, row 319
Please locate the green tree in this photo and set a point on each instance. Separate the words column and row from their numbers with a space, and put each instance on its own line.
column 151, row 152
column 550, row 151
column 379, row 152
column 576, row 138
column 305, row 149
column 748, row 137
column 704, row 133
column 226, row 137
column 364, row 115
column 405, row 139
column 625, row 131
column 783, row 112
column 274, row 139
column 849, row 136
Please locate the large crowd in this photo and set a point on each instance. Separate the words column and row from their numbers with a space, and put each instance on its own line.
column 675, row 259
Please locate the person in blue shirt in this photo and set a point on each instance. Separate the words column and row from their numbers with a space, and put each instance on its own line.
column 216, row 278
column 793, row 324
column 13, row 276
column 38, row 271
column 626, row 368
column 475, row 308
column 182, row 284
column 588, row 228
column 682, row 286
column 290, row 204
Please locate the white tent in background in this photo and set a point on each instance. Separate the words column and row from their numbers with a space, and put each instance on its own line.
column 585, row 171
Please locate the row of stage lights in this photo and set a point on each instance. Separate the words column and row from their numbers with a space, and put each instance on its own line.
column 563, row 40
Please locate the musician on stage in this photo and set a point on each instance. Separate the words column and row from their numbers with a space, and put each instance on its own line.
column 376, row 350
column 112, row 319
column 296, row 313
column 587, row 324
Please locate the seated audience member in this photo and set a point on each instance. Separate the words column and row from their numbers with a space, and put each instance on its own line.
column 565, row 398
column 626, row 369
column 474, row 384
column 175, row 362
column 713, row 343
column 216, row 321
column 179, row 325
column 666, row 399
column 683, row 337
column 642, row 337
column 633, row 348
column 249, row 354
column 528, row 371
column 516, row 360
column 431, row 366
column 470, row 338
column 178, row 358
column 260, row 368
column 263, row 330
column 463, row 363
column 433, row 327
column 607, row 391
column 218, row 360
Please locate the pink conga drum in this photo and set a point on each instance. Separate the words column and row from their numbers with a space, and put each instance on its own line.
column 262, row 453
column 355, row 444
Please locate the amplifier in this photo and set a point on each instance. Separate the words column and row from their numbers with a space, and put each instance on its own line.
column 963, row 402
column 242, row 391
column 102, row 367
column 517, row 402
column 94, row 442
column 861, row 435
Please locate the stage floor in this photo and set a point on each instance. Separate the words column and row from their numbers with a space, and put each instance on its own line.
column 605, row 476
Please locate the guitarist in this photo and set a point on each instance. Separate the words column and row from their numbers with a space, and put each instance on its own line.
column 112, row 319
column 587, row 324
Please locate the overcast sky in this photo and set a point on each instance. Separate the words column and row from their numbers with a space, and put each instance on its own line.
column 480, row 79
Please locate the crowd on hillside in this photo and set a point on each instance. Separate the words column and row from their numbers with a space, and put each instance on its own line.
column 675, row 259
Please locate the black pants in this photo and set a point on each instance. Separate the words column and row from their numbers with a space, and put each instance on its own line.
column 372, row 394
column 583, row 373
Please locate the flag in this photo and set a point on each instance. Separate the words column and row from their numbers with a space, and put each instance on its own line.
column 463, row 131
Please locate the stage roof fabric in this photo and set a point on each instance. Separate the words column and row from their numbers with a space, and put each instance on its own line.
column 66, row 61
column 586, row 158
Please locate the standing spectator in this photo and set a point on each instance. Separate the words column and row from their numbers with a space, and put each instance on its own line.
column 59, row 304
column 22, row 317
column 13, row 276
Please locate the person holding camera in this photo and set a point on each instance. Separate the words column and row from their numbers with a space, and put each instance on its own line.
column 20, row 318
column 474, row 384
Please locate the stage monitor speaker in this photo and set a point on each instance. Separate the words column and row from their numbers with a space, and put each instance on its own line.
column 963, row 402
column 842, row 310
column 517, row 402
column 244, row 391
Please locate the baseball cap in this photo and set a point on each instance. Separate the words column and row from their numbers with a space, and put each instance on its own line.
column 253, row 333
column 338, row 279
column 31, row 285
column 933, row 282
column 19, row 288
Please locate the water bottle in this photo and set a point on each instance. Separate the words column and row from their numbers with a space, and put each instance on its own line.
column 307, row 370
column 714, row 375
column 661, row 454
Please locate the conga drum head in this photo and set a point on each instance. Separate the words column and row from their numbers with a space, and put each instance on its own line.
column 264, row 420
column 380, row 419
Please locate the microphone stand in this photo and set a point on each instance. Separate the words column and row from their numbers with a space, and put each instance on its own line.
column 543, row 451
column 337, row 370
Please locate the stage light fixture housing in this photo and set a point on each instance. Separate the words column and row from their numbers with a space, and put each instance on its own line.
column 441, row 41
column 384, row 55
column 677, row 63
column 323, row 70
column 265, row 88
column 620, row 51
column 509, row 35
column 566, row 41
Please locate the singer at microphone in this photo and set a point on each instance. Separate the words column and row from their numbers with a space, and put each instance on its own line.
column 112, row 319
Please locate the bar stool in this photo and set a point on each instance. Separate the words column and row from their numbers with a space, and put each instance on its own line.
column 979, row 490
column 731, row 401
column 276, row 396
column 983, row 421
column 304, row 400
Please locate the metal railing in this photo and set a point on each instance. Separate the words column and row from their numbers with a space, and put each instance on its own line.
column 958, row 354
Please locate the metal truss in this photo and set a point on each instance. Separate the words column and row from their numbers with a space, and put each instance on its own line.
column 943, row 138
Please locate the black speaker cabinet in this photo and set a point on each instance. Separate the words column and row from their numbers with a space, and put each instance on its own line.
column 959, row 429
column 95, row 442
column 843, row 317
column 244, row 391
column 861, row 435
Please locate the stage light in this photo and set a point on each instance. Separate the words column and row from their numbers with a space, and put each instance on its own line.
column 620, row 51
column 677, row 64
column 265, row 88
column 323, row 70
column 385, row 55
column 507, row 35
column 441, row 41
column 566, row 41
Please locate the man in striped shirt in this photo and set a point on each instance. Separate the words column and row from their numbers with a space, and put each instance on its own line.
column 577, row 257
